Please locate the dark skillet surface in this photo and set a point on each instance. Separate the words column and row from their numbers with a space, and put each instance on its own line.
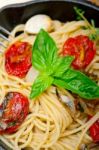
column 12, row 15
column 63, row 10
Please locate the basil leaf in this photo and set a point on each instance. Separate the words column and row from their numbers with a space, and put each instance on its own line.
column 44, row 52
column 78, row 83
column 40, row 85
column 63, row 64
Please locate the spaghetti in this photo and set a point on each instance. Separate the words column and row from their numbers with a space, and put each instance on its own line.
column 49, row 124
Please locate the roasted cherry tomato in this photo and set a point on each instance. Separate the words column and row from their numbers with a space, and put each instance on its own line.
column 13, row 112
column 94, row 130
column 82, row 48
column 18, row 59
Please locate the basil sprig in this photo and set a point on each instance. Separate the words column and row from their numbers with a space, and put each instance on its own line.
column 56, row 70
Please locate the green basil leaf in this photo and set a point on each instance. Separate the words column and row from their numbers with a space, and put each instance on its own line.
column 78, row 83
column 41, row 83
column 63, row 64
column 44, row 52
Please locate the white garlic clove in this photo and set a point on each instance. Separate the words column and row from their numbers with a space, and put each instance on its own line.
column 37, row 22
column 31, row 75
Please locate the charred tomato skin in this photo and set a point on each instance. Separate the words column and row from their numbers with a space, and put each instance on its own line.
column 18, row 59
column 82, row 48
column 15, row 109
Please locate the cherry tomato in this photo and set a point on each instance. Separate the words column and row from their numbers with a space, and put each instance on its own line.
column 94, row 130
column 14, row 110
column 18, row 59
column 82, row 48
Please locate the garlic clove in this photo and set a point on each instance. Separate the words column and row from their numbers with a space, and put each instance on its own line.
column 37, row 22
column 31, row 75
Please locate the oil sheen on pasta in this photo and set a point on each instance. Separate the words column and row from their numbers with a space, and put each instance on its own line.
column 49, row 125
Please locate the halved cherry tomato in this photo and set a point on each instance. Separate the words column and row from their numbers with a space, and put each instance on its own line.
column 18, row 59
column 94, row 130
column 82, row 48
column 14, row 110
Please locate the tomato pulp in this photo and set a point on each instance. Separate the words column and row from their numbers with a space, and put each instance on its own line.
column 14, row 110
column 82, row 48
column 18, row 59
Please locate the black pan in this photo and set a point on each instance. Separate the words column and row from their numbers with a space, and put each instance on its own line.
column 12, row 15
